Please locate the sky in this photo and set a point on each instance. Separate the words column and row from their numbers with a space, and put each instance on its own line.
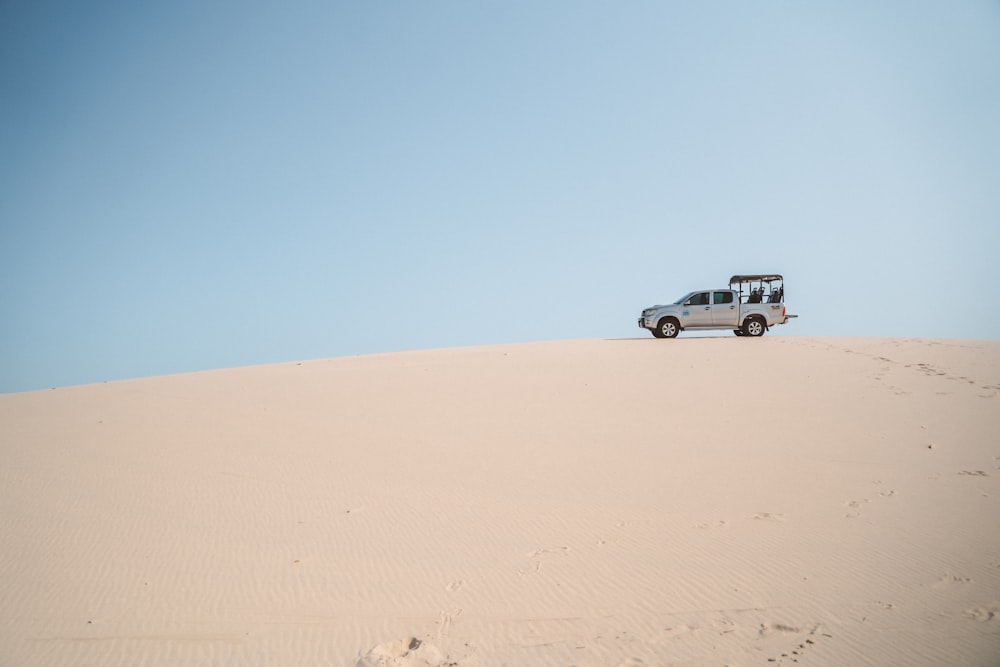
column 195, row 185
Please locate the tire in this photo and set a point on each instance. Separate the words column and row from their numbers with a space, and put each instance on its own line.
column 668, row 327
column 754, row 327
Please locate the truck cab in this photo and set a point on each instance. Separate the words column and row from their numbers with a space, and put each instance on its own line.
column 708, row 308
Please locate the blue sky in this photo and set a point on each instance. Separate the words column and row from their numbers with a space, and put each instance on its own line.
column 192, row 185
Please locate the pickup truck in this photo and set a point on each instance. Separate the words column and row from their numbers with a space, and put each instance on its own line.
column 744, row 308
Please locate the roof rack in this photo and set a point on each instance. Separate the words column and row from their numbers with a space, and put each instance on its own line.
column 762, row 278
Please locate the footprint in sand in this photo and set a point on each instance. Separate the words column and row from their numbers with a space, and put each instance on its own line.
column 680, row 629
column 541, row 552
column 445, row 620
column 530, row 568
column 984, row 614
column 454, row 585
column 407, row 652
column 536, row 557
column 951, row 580
column 854, row 508
column 768, row 516
column 768, row 629
column 778, row 631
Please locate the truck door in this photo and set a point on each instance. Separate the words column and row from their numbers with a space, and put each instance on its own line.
column 725, row 310
column 697, row 310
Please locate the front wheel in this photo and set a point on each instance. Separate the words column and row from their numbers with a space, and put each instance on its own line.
column 667, row 328
column 754, row 327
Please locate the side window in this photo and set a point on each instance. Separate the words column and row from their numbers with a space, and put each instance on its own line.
column 723, row 297
column 700, row 299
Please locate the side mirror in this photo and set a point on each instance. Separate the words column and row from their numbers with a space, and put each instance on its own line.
column 687, row 303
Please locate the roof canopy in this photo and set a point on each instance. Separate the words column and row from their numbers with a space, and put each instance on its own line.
column 764, row 278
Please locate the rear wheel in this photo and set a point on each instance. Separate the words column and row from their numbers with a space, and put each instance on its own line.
column 667, row 328
column 754, row 327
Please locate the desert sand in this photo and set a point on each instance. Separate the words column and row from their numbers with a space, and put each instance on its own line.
column 698, row 501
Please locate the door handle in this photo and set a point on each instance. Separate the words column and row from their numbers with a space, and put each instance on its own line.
column 731, row 307
column 708, row 308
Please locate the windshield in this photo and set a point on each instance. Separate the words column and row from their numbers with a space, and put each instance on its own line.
column 683, row 298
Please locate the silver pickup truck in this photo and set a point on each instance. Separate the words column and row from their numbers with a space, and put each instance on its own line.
column 750, row 306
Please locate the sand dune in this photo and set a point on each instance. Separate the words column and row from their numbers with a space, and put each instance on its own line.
column 699, row 501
